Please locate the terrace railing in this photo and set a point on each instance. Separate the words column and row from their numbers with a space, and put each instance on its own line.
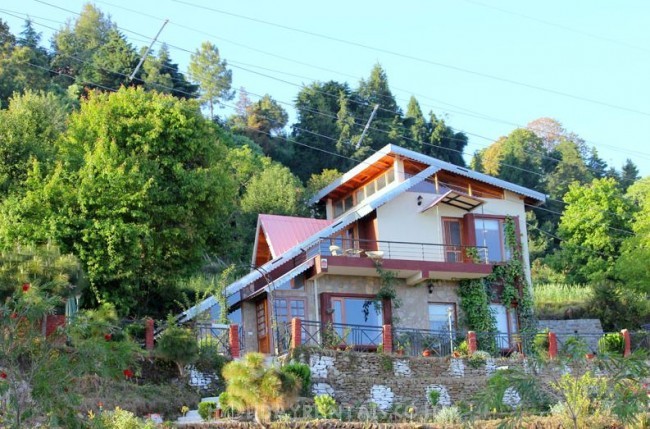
column 433, row 252
column 216, row 335
column 341, row 336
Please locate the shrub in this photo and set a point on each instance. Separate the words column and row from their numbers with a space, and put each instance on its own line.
column 611, row 343
column 463, row 348
column 302, row 373
column 206, row 410
column 325, row 405
column 447, row 416
column 120, row 419
column 178, row 345
column 478, row 358
column 253, row 386
column 434, row 397
column 224, row 404
column 540, row 344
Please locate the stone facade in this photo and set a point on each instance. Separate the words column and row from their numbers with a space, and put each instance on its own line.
column 356, row 379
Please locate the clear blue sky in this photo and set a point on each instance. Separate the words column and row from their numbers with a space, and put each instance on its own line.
column 593, row 49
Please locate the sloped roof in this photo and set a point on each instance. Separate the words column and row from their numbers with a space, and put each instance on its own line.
column 434, row 162
column 284, row 232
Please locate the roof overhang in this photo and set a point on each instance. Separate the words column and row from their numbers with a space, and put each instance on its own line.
column 455, row 199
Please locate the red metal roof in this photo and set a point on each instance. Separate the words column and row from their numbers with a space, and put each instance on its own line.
column 284, row 232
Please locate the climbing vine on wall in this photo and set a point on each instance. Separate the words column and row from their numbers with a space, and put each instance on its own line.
column 516, row 290
column 475, row 304
column 386, row 290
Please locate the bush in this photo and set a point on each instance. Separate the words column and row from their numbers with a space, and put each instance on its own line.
column 540, row 344
column 434, row 397
column 447, row 416
column 224, row 404
column 611, row 343
column 120, row 419
column 178, row 345
column 478, row 358
column 302, row 373
column 463, row 348
column 206, row 410
column 325, row 405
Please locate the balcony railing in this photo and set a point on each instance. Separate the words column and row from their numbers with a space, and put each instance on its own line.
column 382, row 249
column 341, row 336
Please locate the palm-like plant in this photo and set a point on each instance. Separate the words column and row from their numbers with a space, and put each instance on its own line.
column 251, row 385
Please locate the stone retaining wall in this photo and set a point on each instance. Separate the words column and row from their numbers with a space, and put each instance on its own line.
column 355, row 379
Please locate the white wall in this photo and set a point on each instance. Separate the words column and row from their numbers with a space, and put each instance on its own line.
column 401, row 220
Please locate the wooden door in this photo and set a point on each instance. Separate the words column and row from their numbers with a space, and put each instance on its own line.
column 263, row 335
column 453, row 240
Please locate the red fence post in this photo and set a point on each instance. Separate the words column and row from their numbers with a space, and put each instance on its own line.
column 472, row 346
column 628, row 342
column 296, row 332
column 148, row 334
column 552, row 345
column 233, row 336
column 387, row 338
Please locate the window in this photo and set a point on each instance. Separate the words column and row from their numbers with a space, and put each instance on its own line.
column 350, row 311
column 453, row 240
column 440, row 315
column 506, row 324
column 490, row 234
column 288, row 308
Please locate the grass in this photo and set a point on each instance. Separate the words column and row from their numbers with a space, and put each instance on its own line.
column 561, row 301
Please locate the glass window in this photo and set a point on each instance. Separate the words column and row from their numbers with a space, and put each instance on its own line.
column 489, row 233
column 360, row 195
column 381, row 182
column 349, row 202
column 288, row 308
column 339, row 208
column 390, row 176
column 506, row 323
column 439, row 317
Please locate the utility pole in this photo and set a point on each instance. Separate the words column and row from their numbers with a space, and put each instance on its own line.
column 365, row 129
column 147, row 51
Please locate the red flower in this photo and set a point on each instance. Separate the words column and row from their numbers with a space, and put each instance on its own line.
column 108, row 337
column 3, row 375
column 14, row 315
column 26, row 287
column 127, row 373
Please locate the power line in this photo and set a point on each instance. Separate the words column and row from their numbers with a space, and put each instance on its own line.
column 317, row 134
column 556, row 25
column 417, row 59
column 475, row 114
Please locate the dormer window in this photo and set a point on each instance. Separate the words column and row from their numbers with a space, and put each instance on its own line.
column 379, row 183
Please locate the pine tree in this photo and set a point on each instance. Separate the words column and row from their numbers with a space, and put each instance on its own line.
column 211, row 73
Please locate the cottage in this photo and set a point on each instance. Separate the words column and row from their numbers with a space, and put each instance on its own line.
column 399, row 220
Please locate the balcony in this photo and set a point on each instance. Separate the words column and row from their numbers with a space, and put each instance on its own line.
column 415, row 262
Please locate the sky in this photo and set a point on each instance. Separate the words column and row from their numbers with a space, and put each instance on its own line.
column 487, row 67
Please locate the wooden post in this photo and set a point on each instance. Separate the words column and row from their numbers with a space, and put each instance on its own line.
column 628, row 343
column 471, row 342
column 552, row 345
column 233, row 337
column 148, row 334
column 387, row 338
column 296, row 332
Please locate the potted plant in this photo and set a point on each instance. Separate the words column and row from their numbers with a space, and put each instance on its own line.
column 402, row 343
column 426, row 352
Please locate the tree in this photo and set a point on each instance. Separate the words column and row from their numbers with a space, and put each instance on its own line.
column 262, row 122
column 416, row 126
column 111, row 64
column 161, row 74
column 139, row 195
column 516, row 158
column 274, row 191
column 29, row 129
column 77, row 42
column 596, row 165
column 594, row 223
column 445, row 143
column 317, row 106
column 253, row 386
column 629, row 174
column 210, row 72
column 636, row 248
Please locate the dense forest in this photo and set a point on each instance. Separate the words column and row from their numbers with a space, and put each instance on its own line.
column 140, row 191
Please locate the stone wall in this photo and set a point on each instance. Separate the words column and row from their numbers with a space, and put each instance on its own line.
column 354, row 379
column 588, row 329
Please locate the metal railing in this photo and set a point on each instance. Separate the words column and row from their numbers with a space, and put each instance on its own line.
column 413, row 342
column 412, row 251
column 341, row 336
column 216, row 335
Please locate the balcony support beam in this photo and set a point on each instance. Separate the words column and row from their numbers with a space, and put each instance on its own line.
column 416, row 278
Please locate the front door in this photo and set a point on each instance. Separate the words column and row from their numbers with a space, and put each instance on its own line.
column 263, row 337
column 453, row 240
